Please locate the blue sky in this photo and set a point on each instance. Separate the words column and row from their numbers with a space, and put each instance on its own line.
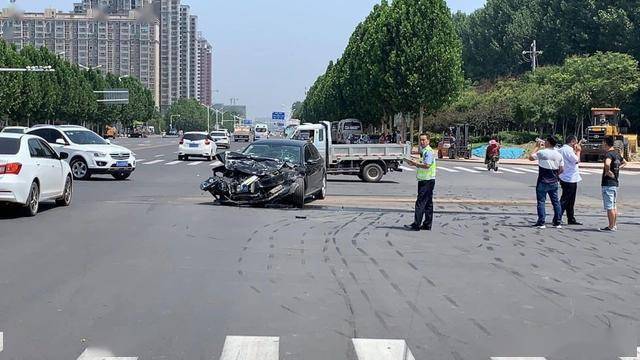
column 267, row 52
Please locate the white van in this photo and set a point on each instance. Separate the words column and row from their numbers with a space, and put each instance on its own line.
column 261, row 132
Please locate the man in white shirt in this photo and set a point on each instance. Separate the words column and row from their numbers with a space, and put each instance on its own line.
column 570, row 178
column 550, row 166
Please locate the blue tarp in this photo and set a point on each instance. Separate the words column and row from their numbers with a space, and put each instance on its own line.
column 505, row 153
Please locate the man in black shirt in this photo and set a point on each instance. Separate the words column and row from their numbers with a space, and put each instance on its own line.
column 613, row 162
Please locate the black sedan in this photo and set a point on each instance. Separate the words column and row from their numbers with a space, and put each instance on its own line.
column 267, row 172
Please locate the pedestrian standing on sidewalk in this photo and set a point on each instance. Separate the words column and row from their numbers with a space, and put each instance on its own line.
column 570, row 177
column 550, row 166
column 613, row 162
column 426, row 174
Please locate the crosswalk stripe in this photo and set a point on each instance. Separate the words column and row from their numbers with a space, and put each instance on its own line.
column 592, row 171
column 629, row 173
column 159, row 155
column 382, row 349
column 481, row 169
column 526, row 170
column 447, row 169
column 585, row 173
column 216, row 163
column 518, row 358
column 153, row 162
column 408, row 168
column 511, row 171
column 465, row 169
column 100, row 354
column 195, row 163
column 251, row 348
column 174, row 162
column 1, row 341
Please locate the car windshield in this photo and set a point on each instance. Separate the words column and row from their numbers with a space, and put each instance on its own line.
column 9, row 146
column 85, row 137
column 352, row 126
column 194, row 137
column 261, row 130
column 218, row 134
column 289, row 153
column 13, row 130
column 303, row 135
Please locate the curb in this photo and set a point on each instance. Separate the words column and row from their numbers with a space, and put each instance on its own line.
column 635, row 165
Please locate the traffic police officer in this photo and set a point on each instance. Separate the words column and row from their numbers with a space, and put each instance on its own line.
column 426, row 174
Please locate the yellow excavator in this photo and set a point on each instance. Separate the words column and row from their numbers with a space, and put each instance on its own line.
column 608, row 122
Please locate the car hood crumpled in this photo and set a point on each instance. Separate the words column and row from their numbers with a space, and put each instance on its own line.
column 252, row 165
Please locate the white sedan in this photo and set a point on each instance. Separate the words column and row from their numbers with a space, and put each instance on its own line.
column 14, row 129
column 221, row 138
column 198, row 144
column 31, row 172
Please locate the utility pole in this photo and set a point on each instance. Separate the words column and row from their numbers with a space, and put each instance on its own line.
column 532, row 55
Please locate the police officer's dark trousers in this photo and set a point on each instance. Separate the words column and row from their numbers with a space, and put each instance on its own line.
column 424, row 204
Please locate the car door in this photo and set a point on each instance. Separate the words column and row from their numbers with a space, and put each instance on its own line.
column 313, row 170
column 43, row 169
column 55, row 163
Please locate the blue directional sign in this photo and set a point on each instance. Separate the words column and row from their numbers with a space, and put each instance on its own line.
column 277, row 116
column 247, row 122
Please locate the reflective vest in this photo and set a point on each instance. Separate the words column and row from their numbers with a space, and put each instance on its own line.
column 430, row 173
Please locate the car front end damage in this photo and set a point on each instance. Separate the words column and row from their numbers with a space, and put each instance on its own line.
column 241, row 179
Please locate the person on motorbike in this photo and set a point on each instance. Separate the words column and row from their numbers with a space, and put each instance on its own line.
column 493, row 153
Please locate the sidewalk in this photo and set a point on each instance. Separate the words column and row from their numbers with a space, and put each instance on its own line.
column 632, row 166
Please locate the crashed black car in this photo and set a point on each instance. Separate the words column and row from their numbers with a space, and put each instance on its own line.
column 269, row 172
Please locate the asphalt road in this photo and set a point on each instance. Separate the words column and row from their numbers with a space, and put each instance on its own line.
column 150, row 268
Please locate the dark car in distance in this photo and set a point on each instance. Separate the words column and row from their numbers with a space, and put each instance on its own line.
column 268, row 172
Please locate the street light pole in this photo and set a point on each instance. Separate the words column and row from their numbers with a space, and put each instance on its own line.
column 171, row 120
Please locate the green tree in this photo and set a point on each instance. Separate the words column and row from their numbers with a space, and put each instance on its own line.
column 187, row 115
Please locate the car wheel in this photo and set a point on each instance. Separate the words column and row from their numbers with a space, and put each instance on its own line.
column 186, row 158
column 121, row 176
column 322, row 194
column 372, row 173
column 298, row 196
column 79, row 169
column 180, row 157
column 33, row 201
column 67, row 194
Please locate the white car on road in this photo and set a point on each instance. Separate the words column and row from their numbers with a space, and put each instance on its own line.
column 221, row 138
column 89, row 154
column 261, row 132
column 14, row 129
column 196, row 143
column 31, row 172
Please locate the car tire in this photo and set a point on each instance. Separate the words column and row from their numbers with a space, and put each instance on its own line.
column 67, row 193
column 79, row 169
column 186, row 158
column 121, row 176
column 33, row 200
column 180, row 157
column 372, row 173
column 322, row 193
column 299, row 195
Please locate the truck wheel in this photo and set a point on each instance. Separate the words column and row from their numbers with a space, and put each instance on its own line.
column 298, row 196
column 372, row 173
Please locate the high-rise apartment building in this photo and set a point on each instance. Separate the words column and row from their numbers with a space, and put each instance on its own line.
column 205, row 58
column 156, row 41
column 120, row 44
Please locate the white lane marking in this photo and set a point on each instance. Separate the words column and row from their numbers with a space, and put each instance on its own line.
column 101, row 354
column 447, row 169
column 251, row 348
column 140, row 160
column 518, row 358
column 465, row 169
column 481, row 169
column 592, row 171
column 161, row 155
column 195, row 163
column 511, row 171
column 630, row 173
column 153, row 162
column 632, row 358
column 1, row 341
column 382, row 349
column 216, row 163
column 174, row 162
column 407, row 168
column 526, row 170
column 585, row 173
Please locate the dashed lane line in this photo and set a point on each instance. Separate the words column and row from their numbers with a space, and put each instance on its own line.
column 467, row 170
column 195, row 163
column 153, row 162
column 251, row 348
column 526, row 170
column 174, row 162
column 511, row 170
column 382, row 349
column 447, row 169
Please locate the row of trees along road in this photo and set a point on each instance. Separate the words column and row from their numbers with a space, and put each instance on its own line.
column 66, row 95
column 190, row 115
column 405, row 58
